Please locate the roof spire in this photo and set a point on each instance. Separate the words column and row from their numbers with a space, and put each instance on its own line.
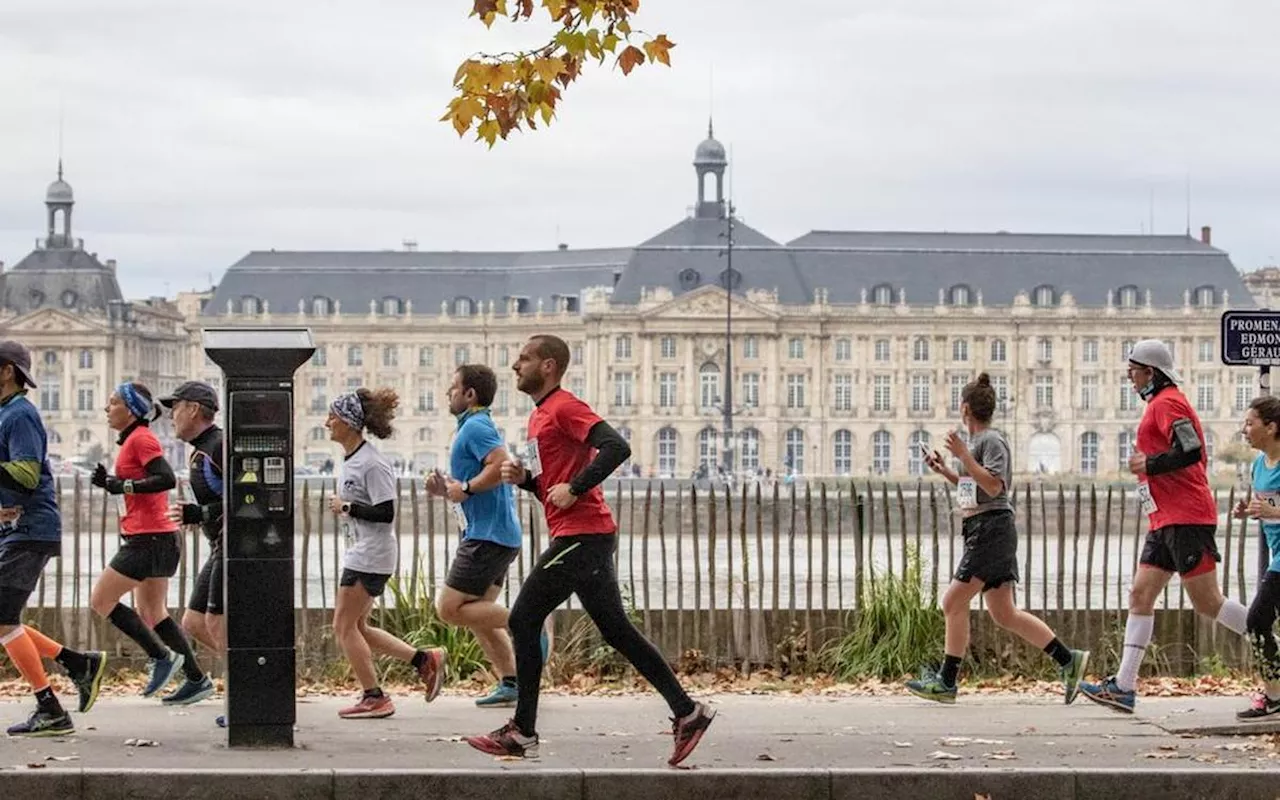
column 59, row 167
column 711, row 133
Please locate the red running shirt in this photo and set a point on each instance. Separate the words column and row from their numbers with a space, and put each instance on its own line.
column 1182, row 497
column 560, row 425
column 143, row 513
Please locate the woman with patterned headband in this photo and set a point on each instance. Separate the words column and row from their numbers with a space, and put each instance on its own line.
column 149, row 549
column 366, row 506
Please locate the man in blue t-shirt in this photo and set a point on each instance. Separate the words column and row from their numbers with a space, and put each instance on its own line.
column 30, row 535
column 484, row 511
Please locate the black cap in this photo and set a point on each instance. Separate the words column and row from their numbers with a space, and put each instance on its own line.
column 193, row 392
column 12, row 352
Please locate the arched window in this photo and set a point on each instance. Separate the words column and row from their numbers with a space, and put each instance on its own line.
column 463, row 307
column 86, row 359
column 1044, row 296
column 794, row 456
column 1124, row 449
column 1206, row 296
column 842, row 450
column 882, row 295
column 392, row 306
column 709, row 385
column 960, row 295
column 707, row 444
column 1089, row 453
column 999, row 351
column 54, row 437
column 84, row 436
column 321, row 306
column 1127, row 296
column 668, row 442
column 920, row 349
column 250, row 305
column 881, row 452
column 915, row 454
column 749, row 445
column 960, row 350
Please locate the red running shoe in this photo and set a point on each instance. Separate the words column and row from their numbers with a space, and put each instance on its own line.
column 688, row 732
column 432, row 671
column 369, row 708
column 506, row 741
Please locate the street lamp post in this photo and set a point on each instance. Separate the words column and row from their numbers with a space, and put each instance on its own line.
column 728, row 341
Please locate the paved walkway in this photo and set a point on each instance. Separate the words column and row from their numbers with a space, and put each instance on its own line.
column 790, row 738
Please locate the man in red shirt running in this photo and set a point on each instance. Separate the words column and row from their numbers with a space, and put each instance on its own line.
column 570, row 452
column 1173, row 489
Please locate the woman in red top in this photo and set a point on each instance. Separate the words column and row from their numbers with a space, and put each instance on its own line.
column 150, row 548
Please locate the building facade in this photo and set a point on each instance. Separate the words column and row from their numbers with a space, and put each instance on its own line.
column 848, row 349
column 67, row 308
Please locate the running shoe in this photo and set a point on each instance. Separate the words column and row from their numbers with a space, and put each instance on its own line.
column 189, row 692
column 1072, row 673
column 931, row 687
column 506, row 741
column 369, row 708
column 89, row 682
column 1108, row 693
column 1261, row 708
column 162, row 671
column 432, row 671
column 220, row 721
column 688, row 732
column 503, row 696
column 44, row 723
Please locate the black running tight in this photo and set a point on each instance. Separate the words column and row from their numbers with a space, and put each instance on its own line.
column 1262, row 617
column 581, row 565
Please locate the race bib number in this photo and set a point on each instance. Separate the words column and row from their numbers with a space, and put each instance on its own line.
column 348, row 535
column 1145, row 499
column 459, row 516
column 1269, row 498
column 967, row 493
column 531, row 459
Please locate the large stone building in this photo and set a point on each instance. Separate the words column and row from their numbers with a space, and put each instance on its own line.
column 66, row 306
column 849, row 349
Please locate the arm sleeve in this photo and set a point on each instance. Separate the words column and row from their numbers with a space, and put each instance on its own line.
column 611, row 451
column 160, row 478
column 530, row 483
column 382, row 512
column 1184, row 449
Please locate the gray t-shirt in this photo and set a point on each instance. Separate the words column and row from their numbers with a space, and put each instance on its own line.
column 367, row 478
column 990, row 449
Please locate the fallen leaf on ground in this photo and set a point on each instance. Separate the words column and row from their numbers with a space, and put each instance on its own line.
column 982, row 797
column 35, row 765
column 903, row 744
column 1165, row 755
column 942, row 755
column 765, row 757
column 1001, row 755
column 141, row 743
column 62, row 758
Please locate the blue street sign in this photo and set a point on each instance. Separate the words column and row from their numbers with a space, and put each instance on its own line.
column 1251, row 338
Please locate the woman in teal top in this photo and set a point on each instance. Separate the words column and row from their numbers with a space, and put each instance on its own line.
column 1262, row 430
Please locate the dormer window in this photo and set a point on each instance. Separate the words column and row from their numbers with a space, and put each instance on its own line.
column 518, row 305
column 321, row 306
column 960, row 296
column 882, row 295
column 1044, row 296
column 1127, row 296
column 250, row 305
column 392, row 306
column 463, row 307
column 689, row 279
column 69, row 299
column 1206, row 296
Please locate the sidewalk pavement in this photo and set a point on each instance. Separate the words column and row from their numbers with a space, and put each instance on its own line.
column 764, row 746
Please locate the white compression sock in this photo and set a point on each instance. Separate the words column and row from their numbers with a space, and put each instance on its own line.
column 1137, row 635
column 1233, row 616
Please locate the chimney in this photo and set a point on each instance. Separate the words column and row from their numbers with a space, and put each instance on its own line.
column 564, row 246
column 111, row 264
column 1206, row 234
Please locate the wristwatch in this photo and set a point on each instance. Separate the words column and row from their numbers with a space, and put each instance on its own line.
column 128, row 487
column 466, row 489
column 346, row 508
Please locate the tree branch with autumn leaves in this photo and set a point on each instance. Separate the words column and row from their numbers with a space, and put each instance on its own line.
column 501, row 93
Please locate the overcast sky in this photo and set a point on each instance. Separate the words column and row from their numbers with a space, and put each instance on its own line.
column 198, row 131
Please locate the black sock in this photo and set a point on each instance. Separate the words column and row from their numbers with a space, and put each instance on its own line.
column 418, row 658
column 48, row 701
column 374, row 692
column 950, row 670
column 172, row 635
column 509, row 681
column 130, row 624
column 1059, row 652
column 73, row 661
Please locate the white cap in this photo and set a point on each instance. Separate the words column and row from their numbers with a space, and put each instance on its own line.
column 1153, row 353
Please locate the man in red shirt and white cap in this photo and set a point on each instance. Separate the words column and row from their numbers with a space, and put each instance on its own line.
column 1173, row 489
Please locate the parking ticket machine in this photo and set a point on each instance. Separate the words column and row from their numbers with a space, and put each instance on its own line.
column 258, row 365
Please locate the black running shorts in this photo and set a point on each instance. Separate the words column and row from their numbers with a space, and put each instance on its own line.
column 478, row 565
column 372, row 582
column 1181, row 549
column 148, row 555
column 206, row 597
column 990, row 550
column 20, row 570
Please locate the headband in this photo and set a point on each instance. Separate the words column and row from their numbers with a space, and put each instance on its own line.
column 138, row 405
column 349, row 409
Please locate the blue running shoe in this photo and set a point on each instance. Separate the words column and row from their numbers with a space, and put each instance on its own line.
column 189, row 692
column 162, row 671
column 931, row 687
column 1109, row 694
column 220, row 721
column 503, row 696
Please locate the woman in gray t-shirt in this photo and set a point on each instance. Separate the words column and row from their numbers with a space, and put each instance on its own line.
column 990, row 561
column 365, row 505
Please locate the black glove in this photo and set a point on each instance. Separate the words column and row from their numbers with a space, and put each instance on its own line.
column 102, row 480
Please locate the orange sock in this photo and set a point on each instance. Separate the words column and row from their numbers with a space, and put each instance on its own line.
column 47, row 647
column 22, row 651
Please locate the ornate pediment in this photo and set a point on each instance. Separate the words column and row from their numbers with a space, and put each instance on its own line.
column 709, row 301
column 50, row 321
